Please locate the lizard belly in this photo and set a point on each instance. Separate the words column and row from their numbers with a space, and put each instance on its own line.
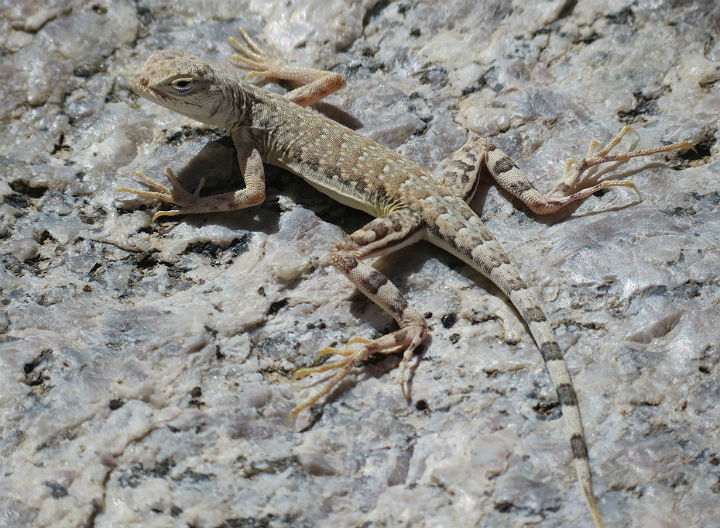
column 339, row 190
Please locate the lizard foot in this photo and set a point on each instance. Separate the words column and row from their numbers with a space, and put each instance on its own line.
column 572, row 185
column 252, row 57
column 176, row 195
column 406, row 339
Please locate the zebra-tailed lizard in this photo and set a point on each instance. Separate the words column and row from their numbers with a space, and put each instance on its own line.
column 409, row 205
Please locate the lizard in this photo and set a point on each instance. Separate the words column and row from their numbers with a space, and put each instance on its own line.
column 407, row 202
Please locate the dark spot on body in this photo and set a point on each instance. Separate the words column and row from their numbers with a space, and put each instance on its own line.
column 345, row 263
column 518, row 187
column 462, row 166
column 398, row 305
column 562, row 188
column 504, row 164
column 381, row 229
column 375, row 281
column 397, row 223
column 359, row 185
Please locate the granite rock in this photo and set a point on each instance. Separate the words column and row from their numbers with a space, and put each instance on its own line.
column 146, row 367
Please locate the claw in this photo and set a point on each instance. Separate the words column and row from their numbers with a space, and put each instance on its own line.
column 250, row 41
column 243, row 49
column 297, row 410
column 407, row 339
column 621, row 183
column 358, row 339
column 161, row 192
column 177, row 195
column 172, row 178
column 142, row 192
column 301, row 373
column 329, row 351
column 401, row 377
column 343, row 366
column 569, row 163
column 252, row 57
column 593, row 145
column 248, row 62
column 617, row 139
column 196, row 193
column 152, row 183
column 684, row 145
column 170, row 212
column 631, row 129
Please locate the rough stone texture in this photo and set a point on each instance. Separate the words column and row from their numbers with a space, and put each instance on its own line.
column 145, row 368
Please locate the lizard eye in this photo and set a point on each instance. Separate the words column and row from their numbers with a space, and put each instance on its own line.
column 182, row 84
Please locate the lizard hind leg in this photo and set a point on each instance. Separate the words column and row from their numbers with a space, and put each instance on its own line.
column 379, row 237
column 571, row 186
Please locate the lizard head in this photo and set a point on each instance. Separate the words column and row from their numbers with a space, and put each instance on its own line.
column 185, row 84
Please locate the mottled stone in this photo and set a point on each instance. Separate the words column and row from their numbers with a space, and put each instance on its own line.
column 146, row 368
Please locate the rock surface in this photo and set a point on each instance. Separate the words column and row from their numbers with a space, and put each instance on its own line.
column 145, row 369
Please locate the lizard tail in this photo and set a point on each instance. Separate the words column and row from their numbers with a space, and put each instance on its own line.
column 509, row 281
column 480, row 250
column 485, row 255
column 529, row 309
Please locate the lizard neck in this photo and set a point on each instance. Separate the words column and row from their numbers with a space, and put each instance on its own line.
column 251, row 106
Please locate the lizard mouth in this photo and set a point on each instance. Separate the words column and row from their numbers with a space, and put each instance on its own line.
column 142, row 87
column 139, row 84
column 159, row 94
column 138, row 88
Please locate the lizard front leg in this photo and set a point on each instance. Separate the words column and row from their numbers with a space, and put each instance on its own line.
column 310, row 85
column 251, row 167
column 379, row 237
